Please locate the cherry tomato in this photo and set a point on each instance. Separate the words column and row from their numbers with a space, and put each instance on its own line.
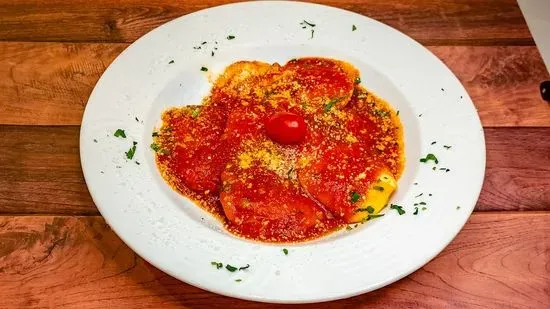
column 286, row 128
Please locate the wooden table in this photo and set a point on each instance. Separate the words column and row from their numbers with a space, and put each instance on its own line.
column 56, row 251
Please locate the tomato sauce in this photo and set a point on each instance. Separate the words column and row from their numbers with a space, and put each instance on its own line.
column 229, row 156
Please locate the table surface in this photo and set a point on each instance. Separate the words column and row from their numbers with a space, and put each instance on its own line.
column 57, row 252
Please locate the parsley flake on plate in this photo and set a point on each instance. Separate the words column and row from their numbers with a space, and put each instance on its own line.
column 399, row 209
column 131, row 152
column 429, row 157
column 120, row 133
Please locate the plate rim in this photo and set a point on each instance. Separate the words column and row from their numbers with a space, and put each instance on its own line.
column 147, row 257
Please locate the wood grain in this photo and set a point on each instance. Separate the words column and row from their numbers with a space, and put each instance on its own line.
column 431, row 22
column 40, row 171
column 499, row 260
column 49, row 83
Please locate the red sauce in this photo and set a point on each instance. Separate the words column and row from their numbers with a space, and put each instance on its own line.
column 219, row 154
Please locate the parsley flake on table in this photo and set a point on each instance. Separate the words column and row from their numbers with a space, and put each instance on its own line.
column 285, row 251
column 353, row 28
column 447, row 147
column 415, row 211
column 171, row 61
column 120, row 133
column 429, row 157
column 204, row 69
column 230, row 37
column 231, row 268
column 238, row 280
column 131, row 152
column 399, row 209
column 217, row 264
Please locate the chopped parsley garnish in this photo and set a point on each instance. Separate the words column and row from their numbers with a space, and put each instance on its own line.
column 433, row 143
column 136, row 118
column 155, row 147
column 120, row 133
column 138, row 163
column 307, row 23
column 354, row 197
column 331, row 103
column 399, row 209
column 422, row 203
column 419, row 115
column 378, row 188
column 238, row 280
column 204, row 69
column 171, row 61
column 430, row 194
column 212, row 53
column 95, row 140
column 424, row 208
column 244, row 267
column 155, row 134
column 457, row 207
column 374, row 216
column 231, row 268
column 429, row 157
column 203, row 43
column 353, row 28
column 381, row 113
column 130, row 153
column 217, row 264
column 419, row 195
column 230, row 37
column 445, row 169
column 370, row 209
column 415, row 211
column 397, row 113
column 285, row 251
column 447, row 147
column 195, row 113
column 358, row 80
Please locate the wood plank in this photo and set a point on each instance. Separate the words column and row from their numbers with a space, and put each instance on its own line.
column 497, row 260
column 49, row 83
column 503, row 82
column 431, row 22
column 40, row 171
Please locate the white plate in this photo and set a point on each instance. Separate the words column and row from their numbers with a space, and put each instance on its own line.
column 176, row 236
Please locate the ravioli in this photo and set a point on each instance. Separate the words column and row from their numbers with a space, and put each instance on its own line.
column 343, row 171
